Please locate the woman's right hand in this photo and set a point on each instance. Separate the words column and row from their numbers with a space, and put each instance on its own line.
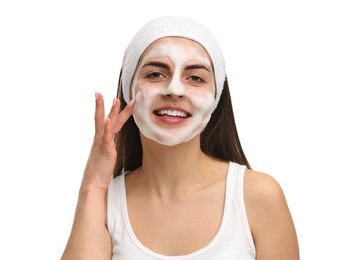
column 100, row 166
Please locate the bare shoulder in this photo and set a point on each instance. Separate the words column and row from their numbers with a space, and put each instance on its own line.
column 269, row 217
column 261, row 188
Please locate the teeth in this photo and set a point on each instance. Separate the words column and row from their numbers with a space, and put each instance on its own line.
column 174, row 113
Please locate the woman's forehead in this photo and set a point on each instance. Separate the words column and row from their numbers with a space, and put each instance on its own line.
column 179, row 47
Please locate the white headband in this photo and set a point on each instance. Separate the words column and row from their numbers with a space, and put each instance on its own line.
column 172, row 26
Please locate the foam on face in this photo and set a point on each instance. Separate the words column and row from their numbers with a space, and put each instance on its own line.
column 174, row 91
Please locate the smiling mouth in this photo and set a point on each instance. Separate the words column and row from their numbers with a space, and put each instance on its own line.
column 171, row 113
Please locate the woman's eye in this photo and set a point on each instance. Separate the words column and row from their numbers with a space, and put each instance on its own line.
column 196, row 79
column 155, row 75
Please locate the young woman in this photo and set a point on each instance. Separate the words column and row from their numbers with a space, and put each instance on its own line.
column 182, row 186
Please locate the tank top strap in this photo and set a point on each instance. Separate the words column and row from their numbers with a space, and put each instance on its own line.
column 237, row 178
column 114, row 205
column 232, row 180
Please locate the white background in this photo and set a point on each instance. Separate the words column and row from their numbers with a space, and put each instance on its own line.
column 291, row 67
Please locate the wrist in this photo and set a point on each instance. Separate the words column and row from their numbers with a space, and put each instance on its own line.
column 91, row 189
column 92, row 185
column 91, row 206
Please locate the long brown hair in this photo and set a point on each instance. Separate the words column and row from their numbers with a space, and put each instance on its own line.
column 219, row 138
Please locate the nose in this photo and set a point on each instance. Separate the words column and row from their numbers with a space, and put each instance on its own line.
column 175, row 88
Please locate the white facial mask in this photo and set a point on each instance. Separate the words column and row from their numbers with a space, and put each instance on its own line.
column 198, row 102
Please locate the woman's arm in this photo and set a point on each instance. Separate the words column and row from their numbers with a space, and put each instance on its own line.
column 269, row 218
column 89, row 238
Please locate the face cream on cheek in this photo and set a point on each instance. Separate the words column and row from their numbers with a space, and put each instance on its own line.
column 143, row 113
column 201, row 109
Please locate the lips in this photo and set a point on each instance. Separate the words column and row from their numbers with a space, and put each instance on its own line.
column 172, row 112
column 169, row 116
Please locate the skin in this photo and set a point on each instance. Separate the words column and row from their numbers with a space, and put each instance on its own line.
column 168, row 192
column 270, row 221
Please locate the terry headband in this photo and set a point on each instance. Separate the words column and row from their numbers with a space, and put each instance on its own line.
column 172, row 26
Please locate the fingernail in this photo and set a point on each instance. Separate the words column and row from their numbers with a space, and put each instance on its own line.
column 96, row 95
column 114, row 101
column 131, row 103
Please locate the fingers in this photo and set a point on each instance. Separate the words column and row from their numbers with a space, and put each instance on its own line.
column 108, row 136
column 118, row 120
column 99, row 114
column 114, row 111
column 124, row 115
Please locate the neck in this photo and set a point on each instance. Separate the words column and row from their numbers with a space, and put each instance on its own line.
column 170, row 171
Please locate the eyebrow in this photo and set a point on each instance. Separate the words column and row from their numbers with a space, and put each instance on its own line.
column 197, row 66
column 157, row 64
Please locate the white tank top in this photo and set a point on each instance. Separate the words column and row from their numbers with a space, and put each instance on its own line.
column 232, row 241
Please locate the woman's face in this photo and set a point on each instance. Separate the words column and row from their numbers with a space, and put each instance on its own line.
column 174, row 91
